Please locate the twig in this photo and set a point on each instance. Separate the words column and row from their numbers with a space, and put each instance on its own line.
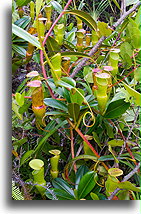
column 124, row 179
column 72, row 148
column 123, row 7
column 129, row 133
column 98, row 44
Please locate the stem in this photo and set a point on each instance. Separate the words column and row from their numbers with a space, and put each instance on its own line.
column 88, row 143
column 72, row 148
column 49, row 32
column 129, row 133
column 124, row 77
column 42, row 61
column 42, row 52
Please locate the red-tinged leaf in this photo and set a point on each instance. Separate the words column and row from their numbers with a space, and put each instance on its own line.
column 34, row 83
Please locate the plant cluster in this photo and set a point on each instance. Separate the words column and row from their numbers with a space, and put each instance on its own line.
column 76, row 100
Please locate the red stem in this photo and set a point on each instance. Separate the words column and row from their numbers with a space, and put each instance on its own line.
column 61, row 14
column 46, row 37
column 88, row 143
column 124, row 77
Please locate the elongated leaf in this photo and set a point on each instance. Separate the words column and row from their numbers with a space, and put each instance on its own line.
column 20, row 142
column 116, row 109
column 77, row 54
column 129, row 186
column 94, row 196
column 26, row 156
column 133, row 93
column 74, row 109
column 15, row 108
column 57, row 6
column 55, row 104
column 59, row 183
column 38, row 6
column 43, row 141
column 52, row 46
column 56, row 113
column 85, row 17
column 90, row 157
column 76, row 97
column 69, row 80
column 86, row 184
column 64, row 84
column 116, row 142
column 21, row 51
column 23, row 22
column 60, row 194
column 116, row 3
column 21, row 3
column 25, row 35
column 80, row 172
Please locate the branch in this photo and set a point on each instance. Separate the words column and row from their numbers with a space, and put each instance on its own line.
column 98, row 44
column 125, row 179
column 130, row 131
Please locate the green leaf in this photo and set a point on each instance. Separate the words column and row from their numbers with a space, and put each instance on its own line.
column 133, row 93
column 109, row 129
column 70, row 36
column 21, row 3
column 96, row 138
column 129, row 186
column 76, row 97
column 23, row 22
column 56, row 6
column 26, row 156
column 74, row 110
column 116, row 109
column 52, row 46
column 59, row 183
column 21, row 51
column 56, row 113
column 65, row 84
column 79, row 174
column 86, row 184
column 88, row 77
column 77, row 54
column 111, row 184
column 60, row 194
column 85, row 17
column 116, row 3
column 15, row 108
column 20, row 142
column 115, row 142
column 94, row 196
column 20, row 98
column 126, row 48
column 25, row 35
column 103, row 28
column 38, row 6
column 69, row 80
column 55, row 104
column 137, row 75
column 44, row 139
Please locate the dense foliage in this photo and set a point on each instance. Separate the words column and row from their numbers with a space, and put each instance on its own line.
column 76, row 99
